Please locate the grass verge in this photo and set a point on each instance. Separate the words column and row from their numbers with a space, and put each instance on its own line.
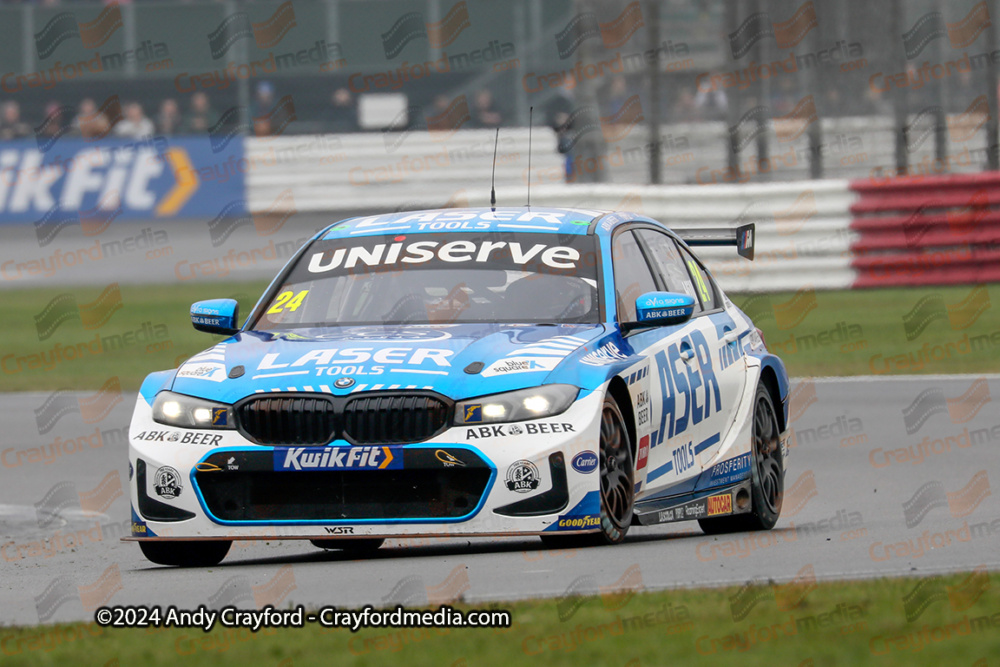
column 54, row 341
column 883, row 331
column 80, row 341
column 802, row 623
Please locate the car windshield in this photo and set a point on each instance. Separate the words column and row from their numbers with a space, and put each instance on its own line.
column 439, row 278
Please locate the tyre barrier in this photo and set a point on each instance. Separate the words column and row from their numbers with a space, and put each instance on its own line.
column 939, row 230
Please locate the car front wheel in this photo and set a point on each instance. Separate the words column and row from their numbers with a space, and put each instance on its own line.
column 617, row 469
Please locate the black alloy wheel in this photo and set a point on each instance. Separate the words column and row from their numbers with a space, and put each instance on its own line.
column 767, row 475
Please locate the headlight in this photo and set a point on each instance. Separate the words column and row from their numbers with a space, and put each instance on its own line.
column 190, row 412
column 516, row 406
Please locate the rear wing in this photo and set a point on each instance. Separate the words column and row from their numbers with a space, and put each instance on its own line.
column 742, row 237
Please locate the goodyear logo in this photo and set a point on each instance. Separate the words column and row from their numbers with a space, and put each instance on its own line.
column 220, row 416
column 473, row 413
column 579, row 522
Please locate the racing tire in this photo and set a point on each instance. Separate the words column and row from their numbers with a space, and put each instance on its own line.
column 617, row 468
column 767, row 485
column 354, row 546
column 186, row 554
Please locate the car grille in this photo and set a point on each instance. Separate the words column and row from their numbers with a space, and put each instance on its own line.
column 239, row 486
column 333, row 495
column 311, row 419
column 288, row 421
column 383, row 420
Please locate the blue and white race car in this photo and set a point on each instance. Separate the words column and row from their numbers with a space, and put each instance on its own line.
column 503, row 371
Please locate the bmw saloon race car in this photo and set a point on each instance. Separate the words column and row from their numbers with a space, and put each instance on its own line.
column 477, row 372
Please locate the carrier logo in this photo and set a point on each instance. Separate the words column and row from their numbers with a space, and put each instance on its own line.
column 337, row 458
column 585, row 462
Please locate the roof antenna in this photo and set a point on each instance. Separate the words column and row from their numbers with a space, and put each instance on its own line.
column 493, row 180
column 531, row 112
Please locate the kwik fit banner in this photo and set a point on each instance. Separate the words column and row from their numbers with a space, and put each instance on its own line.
column 96, row 181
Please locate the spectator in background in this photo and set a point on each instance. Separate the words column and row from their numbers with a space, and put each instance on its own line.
column 11, row 125
column 484, row 114
column 783, row 97
column 832, row 103
column 875, row 103
column 685, row 110
column 90, row 123
column 135, row 125
column 343, row 112
column 263, row 101
column 441, row 104
column 260, row 110
column 54, row 123
column 168, row 121
column 559, row 115
column 616, row 96
column 201, row 116
column 962, row 92
column 711, row 103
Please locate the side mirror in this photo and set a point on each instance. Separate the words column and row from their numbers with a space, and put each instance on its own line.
column 217, row 316
column 654, row 309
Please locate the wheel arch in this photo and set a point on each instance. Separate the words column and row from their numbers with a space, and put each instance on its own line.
column 770, row 381
column 618, row 390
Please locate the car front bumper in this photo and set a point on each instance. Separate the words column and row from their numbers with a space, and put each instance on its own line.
column 524, row 478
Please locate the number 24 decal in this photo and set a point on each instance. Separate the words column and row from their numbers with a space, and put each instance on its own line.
column 287, row 301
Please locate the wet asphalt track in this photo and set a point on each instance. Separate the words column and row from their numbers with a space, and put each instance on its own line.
column 847, row 508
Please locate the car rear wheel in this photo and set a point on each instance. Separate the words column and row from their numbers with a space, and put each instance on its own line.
column 357, row 546
column 767, row 475
column 617, row 484
column 186, row 554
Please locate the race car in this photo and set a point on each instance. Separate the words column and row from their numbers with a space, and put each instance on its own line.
column 466, row 372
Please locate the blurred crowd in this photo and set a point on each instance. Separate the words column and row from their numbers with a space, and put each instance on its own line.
column 198, row 115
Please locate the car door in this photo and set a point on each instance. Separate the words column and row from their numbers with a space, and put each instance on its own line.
column 695, row 392
column 667, row 441
column 726, row 337
column 633, row 277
